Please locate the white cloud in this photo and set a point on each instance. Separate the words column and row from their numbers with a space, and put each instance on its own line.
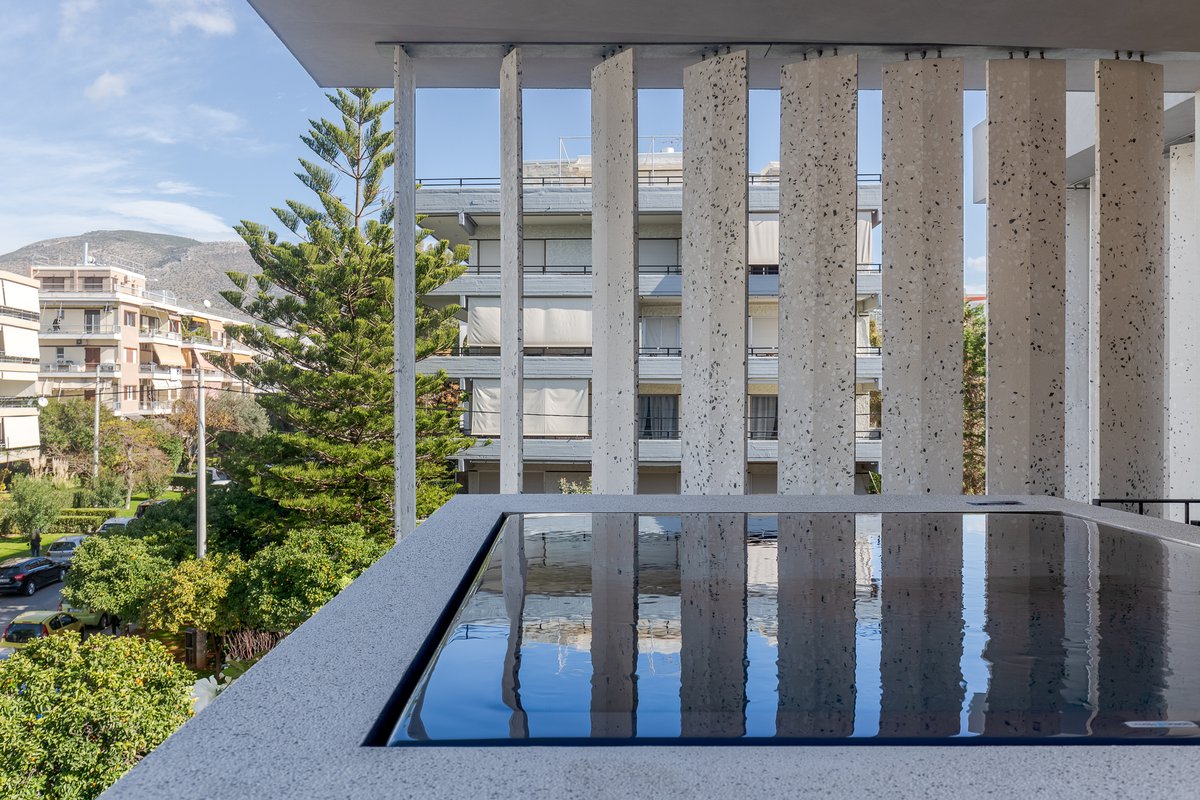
column 176, row 187
column 72, row 11
column 172, row 217
column 210, row 17
column 107, row 86
column 214, row 121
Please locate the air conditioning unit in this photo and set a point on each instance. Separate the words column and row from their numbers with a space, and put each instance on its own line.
column 79, row 341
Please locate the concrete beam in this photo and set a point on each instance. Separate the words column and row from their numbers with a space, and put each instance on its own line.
column 922, row 276
column 512, row 278
column 614, row 281
column 404, row 299
column 1026, row 276
column 817, row 247
column 1183, row 328
column 714, row 258
column 1130, row 239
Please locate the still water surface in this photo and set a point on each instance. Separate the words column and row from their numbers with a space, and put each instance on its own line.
column 800, row 627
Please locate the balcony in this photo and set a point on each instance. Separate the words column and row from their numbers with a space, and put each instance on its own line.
column 56, row 329
column 18, row 402
column 7, row 359
column 20, row 313
column 70, row 367
column 159, row 335
column 160, row 371
column 155, row 407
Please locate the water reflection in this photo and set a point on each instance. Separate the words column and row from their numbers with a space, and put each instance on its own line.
column 817, row 626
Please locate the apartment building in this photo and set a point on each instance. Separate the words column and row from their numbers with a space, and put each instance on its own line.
column 103, row 331
column 19, row 359
column 558, row 322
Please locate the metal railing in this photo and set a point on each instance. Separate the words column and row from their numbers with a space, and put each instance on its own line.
column 159, row 333
column 867, row 426
column 870, row 266
column 20, row 313
column 643, row 269
column 18, row 402
column 753, row 179
column 155, row 406
column 1142, row 502
column 71, row 366
column 7, row 359
column 81, row 330
column 867, row 351
column 159, row 369
column 660, row 352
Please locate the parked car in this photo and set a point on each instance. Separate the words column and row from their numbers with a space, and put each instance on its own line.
column 91, row 619
column 218, row 478
column 114, row 525
column 27, row 575
column 61, row 551
column 32, row 625
column 146, row 504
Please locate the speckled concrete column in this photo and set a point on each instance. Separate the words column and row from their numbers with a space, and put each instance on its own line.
column 922, row 276
column 614, row 625
column 614, row 276
column 712, row 659
column 1183, row 329
column 922, row 625
column 1026, row 275
column 1130, row 238
column 1077, row 360
column 817, row 252
column 513, row 573
column 714, row 258
column 404, row 288
column 1025, row 625
column 816, row 625
column 512, row 279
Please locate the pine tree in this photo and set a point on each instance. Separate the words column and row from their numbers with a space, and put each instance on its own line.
column 323, row 306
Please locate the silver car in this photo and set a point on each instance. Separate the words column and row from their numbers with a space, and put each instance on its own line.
column 61, row 551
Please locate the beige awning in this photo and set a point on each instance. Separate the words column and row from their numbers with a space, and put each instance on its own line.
column 168, row 355
column 242, row 358
column 203, row 363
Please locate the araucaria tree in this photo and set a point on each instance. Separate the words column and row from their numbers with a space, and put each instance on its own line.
column 323, row 306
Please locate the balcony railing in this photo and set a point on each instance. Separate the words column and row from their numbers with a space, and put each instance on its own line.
column 71, row 366
column 586, row 180
column 20, row 313
column 660, row 352
column 159, row 369
column 59, row 329
column 155, row 406
column 7, row 359
column 159, row 333
column 18, row 402
column 643, row 269
column 1142, row 502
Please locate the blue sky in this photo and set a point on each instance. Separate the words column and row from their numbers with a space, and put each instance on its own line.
column 182, row 116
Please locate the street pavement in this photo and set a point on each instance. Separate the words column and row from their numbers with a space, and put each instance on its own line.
column 45, row 599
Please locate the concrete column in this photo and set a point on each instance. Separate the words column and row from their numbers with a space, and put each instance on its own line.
column 714, row 258
column 614, row 625
column 1183, row 330
column 922, row 625
column 614, row 276
column 816, row 625
column 404, row 287
column 514, row 571
column 1026, row 276
column 1077, row 356
column 1130, row 238
column 1026, row 626
column 817, row 253
column 712, row 659
column 922, row 276
column 512, row 279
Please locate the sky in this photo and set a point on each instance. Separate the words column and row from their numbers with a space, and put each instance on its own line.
column 184, row 116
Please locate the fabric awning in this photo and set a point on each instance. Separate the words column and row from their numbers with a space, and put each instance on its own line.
column 242, row 358
column 168, row 355
column 548, row 322
column 20, row 342
column 166, row 383
column 552, row 407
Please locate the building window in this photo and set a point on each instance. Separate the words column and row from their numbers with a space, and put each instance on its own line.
column 173, row 326
column 131, row 319
column 54, row 284
column 91, row 320
column 659, row 336
column 763, row 422
column 93, row 284
column 658, row 416
column 131, row 355
column 91, row 357
column 60, row 354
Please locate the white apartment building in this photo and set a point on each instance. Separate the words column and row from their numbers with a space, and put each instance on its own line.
column 103, row 330
column 19, row 359
column 558, row 323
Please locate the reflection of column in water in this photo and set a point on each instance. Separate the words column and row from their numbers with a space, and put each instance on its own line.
column 513, row 572
column 1081, row 612
column 614, row 625
column 1025, row 625
column 1182, row 692
column 922, row 625
column 712, row 690
column 816, row 625
column 1132, row 647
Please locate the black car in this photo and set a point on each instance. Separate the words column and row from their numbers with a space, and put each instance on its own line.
column 27, row 575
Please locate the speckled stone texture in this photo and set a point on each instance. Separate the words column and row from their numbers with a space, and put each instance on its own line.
column 922, row 276
column 1078, row 360
column 1130, row 238
column 404, row 288
column 512, row 278
column 922, row 626
column 712, row 623
column 816, row 625
column 1183, row 328
column 714, row 259
column 614, row 276
column 1026, row 275
column 817, row 254
column 614, row 649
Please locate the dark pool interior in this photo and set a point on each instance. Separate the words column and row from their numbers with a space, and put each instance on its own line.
column 817, row 628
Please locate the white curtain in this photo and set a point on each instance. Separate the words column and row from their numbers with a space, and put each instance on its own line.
column 658, row 252
column 553, row 407
column 660, row 333
column 549, row 322
column 764, row 331
column 21, row 343
column 866, row 250
column 764, row 242
column 658, row 416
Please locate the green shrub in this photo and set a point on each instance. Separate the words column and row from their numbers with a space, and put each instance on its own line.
column 76, row 716
column 114, row 575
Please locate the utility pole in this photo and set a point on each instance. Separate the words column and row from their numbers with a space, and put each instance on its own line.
column 201, row 470
column 96, row 426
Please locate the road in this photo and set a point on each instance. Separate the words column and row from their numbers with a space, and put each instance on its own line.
column 45, row 599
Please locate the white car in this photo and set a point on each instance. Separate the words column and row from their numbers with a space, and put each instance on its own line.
column 61, row 551
column 114, row 525
column 218, row 478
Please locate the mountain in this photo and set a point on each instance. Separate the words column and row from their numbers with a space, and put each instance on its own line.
column 194, row 271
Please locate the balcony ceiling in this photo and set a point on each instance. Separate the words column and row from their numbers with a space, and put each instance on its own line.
column 458, row 44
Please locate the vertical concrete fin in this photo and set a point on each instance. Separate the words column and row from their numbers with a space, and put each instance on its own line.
column 922, row 276
column 512, row 279
column 1130, row 244
column 1077, row 362
column 817, row 252
column 1026, row 276
column 614, row 276
column 1183, row 329
column 404, row 370
column 714, row 258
